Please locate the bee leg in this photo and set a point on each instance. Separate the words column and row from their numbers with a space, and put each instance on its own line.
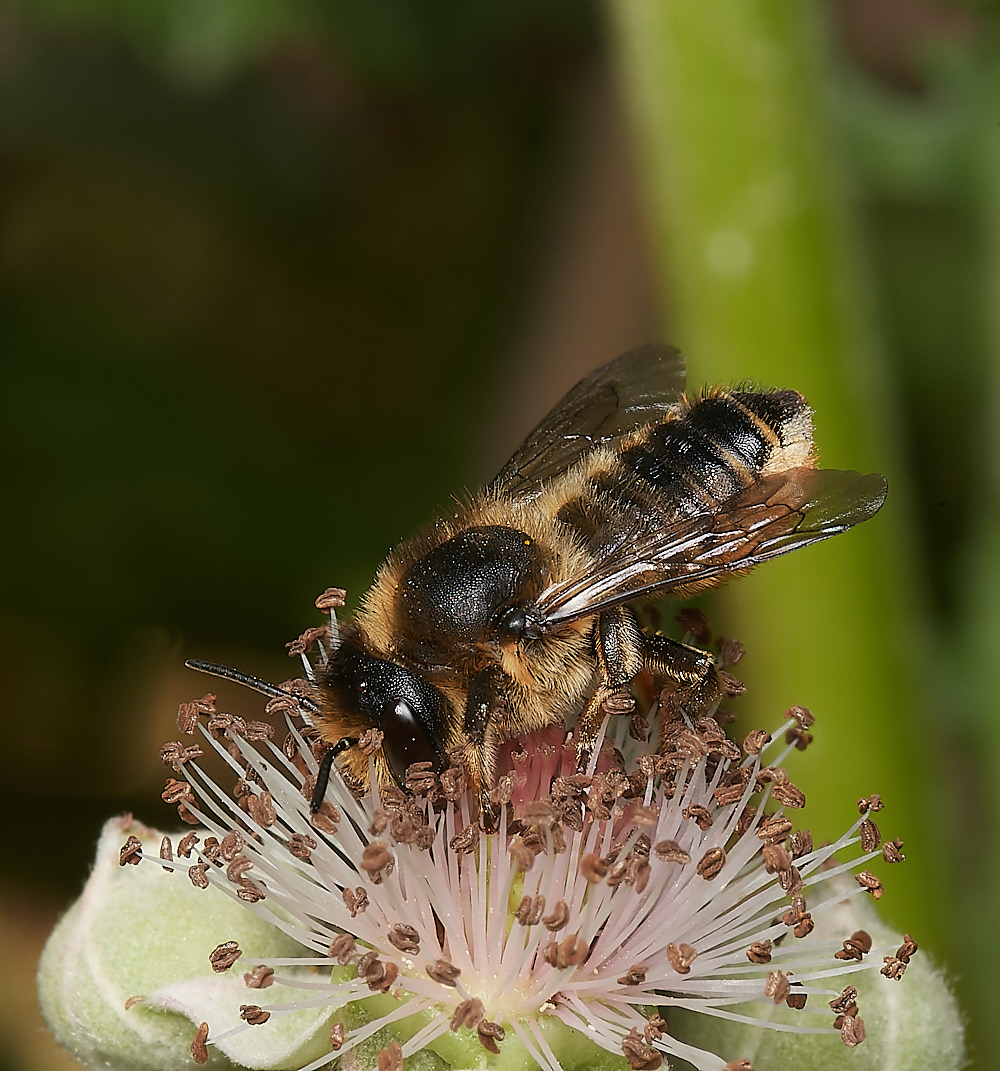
column 487, row 686
column 690, row 669
column 620, row 646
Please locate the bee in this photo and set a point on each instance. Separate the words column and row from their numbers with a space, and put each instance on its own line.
column 513, row 614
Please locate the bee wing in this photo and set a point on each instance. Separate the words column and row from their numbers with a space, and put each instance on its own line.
column 636, row 388
column 775, row 515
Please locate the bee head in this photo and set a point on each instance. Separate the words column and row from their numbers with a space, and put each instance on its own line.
column 362, row 691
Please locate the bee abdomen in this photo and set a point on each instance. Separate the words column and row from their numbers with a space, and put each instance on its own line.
column 720, row 445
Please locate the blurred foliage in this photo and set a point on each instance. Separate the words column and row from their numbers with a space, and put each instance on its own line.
column 266, row 273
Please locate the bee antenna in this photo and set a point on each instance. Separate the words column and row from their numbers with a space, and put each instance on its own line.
column 325, row 768
column 272, row 691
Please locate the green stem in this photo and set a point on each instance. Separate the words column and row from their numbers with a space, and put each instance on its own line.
column 751, row 228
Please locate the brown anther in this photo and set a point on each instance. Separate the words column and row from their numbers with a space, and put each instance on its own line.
column 521, row 855
column 802, row 716
column 391, row 1057
column 776, row 857
column 694, row 622
column 774, row 828
column 852, row 1030
column 166, row 850
column 872, row 804
column 638, row 728
column 755, row 741
column 259, row 732
column 640, row 1056
column 421, row 778
column 798, row 738
column 223, row 956
column 728, row 794
column 777, row 986
column 337, row 1037
column 199, row 1047
column 331, row 599
column 469, row 1013
column 529, row 910
column 343, row 948
column 870, row 836
column 790, row 880
column 558, row 918
column 254, row 1014
column 198, row 875
column 188, row 713
column 635, row 975
column 593, row 868
column 569, row 952
column 282, row 704
column 796, row 1000
column 870, row 883
column 669, row 851
column 323, row 820
column 893, row 968
column 681, row 957
column 176, row 791
column 800, row 843
column 131, row 852
column 404, row 937
column 175, row 754
column 699, row 814
column 211, row 849
column 855, row 947
column 443, row 972
column 261, row 809
column 132, row 1001
column 618, row 703
column 655, row 1028
column 731, row 686
column 760, row 952
column 467, row 840
column 710, row 865
column 847, row 1000
column 738, row 1065
column 907, row 949
column 356, row 900
column 261, row 977
column 302, row 643
column 731, row 652
column 249, row 892
column 790, row 795
column 375, row 858
column 301, row 845
column 231, row 845
column 892, row 851
column 454, row 783
column 236, row 869
column 489, row 1034
column 503, row 791
column 369, row 742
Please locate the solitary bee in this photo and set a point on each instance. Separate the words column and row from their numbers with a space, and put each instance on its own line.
column 512, row 615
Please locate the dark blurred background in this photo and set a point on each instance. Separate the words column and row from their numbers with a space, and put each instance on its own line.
column 279, row 279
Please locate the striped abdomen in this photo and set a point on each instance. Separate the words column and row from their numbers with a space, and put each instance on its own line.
column 710, row 449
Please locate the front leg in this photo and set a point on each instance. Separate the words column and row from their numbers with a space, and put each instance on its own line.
column 623, row 650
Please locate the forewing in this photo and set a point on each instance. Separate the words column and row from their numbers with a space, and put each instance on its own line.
column 635, row 389
column 775, row 515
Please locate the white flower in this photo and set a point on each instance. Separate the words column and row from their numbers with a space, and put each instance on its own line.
column 653, row 885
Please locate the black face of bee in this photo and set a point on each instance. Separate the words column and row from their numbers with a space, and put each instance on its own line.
column 405, row 706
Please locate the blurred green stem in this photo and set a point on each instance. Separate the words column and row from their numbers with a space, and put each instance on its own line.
column 751, row 229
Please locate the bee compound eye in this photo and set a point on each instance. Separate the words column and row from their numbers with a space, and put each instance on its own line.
column 405, row 740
